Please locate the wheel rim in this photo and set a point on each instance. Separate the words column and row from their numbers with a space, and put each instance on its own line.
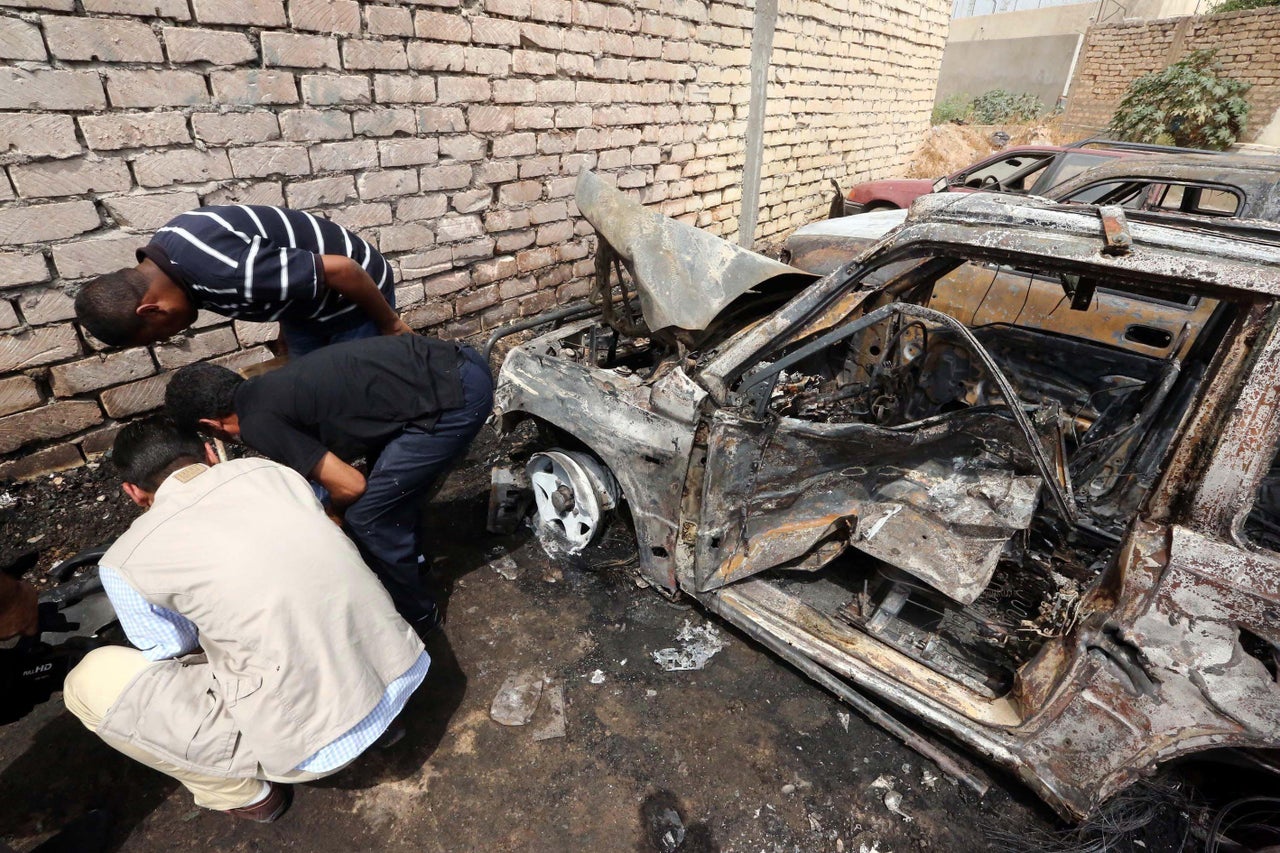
column 571, row 492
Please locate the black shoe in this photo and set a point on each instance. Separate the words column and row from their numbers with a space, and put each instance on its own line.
column 429, row 624
column 392, row 736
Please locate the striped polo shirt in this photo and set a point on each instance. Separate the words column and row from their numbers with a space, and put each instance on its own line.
column 261, row 263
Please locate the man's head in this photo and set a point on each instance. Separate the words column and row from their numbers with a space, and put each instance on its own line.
column 148, row 451
column 128, row 307
column 202, row 396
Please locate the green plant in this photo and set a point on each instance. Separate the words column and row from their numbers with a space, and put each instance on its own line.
column 951, row 108
column 1241, row 5
column 1187, row 104
column 998, row 106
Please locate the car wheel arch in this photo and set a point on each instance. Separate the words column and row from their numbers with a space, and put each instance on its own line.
column 655, row 536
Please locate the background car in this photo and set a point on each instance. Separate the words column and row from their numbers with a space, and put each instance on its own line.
column 1025, row 170
column 1220, row 185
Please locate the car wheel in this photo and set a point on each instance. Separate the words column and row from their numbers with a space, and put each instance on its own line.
column 880, row 205
column 572, row 495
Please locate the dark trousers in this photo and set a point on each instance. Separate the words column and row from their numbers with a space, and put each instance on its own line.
column 384, row 521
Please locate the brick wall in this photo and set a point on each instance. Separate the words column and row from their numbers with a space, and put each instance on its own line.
column 448, row 133
column 1114, row 55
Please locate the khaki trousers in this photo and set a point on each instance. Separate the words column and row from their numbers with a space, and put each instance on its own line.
column 95, row 685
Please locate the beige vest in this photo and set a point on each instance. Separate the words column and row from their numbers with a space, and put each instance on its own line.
column 300, row 637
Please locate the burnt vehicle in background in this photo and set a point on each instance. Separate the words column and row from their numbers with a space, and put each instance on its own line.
column 1214, row 185
column 1024, row 170
column 1053, row 548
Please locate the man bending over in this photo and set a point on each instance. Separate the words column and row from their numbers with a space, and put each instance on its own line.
column 305, row 662
column 410, row 405
column 322, row 282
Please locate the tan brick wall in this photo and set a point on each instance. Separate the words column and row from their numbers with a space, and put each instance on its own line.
column 448, row 134
column 1114, row 55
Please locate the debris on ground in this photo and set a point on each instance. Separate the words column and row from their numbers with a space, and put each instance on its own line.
column 668, row 828
column 596, row 677
column 506, row 567
column 843, row 717
column 698, row 645
column 552, row 725
column 517, row 699
column 892, row 799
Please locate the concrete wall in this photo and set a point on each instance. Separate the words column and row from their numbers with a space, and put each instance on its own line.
column 1116, row 54
column 1065, row 19
column 1043, row 66
column 1032, row 50
column 447, row 133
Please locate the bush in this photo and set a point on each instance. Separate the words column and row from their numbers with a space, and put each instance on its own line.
column 1241, row 5
column 951, row 108
column 1187, row 104
column 994, row 107
column 999, row 106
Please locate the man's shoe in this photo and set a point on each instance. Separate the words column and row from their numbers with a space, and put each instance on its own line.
column 392, row 736
column 429, row 624
column 276, row 804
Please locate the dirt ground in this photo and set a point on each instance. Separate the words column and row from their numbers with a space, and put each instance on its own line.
column 949, row 147
column 744, row 755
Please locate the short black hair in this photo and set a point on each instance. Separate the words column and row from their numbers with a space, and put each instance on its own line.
column 108, row 306
column 200, row 391
column 148, row 451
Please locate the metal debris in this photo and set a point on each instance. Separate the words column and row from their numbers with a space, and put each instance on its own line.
column 892, row 799
column 552, row 716
column 697, row 646
column 669, row 830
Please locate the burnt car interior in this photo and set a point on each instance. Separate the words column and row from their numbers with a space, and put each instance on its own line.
column 979, row 465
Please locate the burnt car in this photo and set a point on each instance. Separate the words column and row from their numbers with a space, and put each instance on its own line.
column 1024, row 169
column 1220, row 185
column 1055, row 550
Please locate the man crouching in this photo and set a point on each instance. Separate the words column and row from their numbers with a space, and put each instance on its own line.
column 267, row 652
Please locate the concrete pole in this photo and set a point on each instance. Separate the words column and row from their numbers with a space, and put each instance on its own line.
column 761, row 51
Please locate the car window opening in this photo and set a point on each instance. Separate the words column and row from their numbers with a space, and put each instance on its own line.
column 1106, row 389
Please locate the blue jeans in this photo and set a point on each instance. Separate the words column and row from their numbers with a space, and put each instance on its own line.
column 302, row 340
column 384, row 522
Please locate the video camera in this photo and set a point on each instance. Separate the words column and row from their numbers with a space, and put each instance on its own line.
column 75, row 615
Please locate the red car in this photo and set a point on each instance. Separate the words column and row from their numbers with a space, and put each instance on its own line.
column 1025, row 170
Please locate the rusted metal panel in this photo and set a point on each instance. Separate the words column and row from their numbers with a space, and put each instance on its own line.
column 685, row 277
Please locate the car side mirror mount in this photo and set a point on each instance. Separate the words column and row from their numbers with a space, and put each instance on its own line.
column 941, row 185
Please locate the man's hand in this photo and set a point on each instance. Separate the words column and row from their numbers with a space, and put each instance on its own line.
column 19, row 614
column 344, row 483
column 399, row 327
column 345, row 276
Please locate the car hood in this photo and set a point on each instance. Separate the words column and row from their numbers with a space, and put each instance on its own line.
column 684, row 277
column 869, row 226
column 824, row 246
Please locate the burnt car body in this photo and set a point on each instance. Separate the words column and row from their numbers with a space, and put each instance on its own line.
column 1022, row 170
column 1218, row 185
column 1041, row 544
